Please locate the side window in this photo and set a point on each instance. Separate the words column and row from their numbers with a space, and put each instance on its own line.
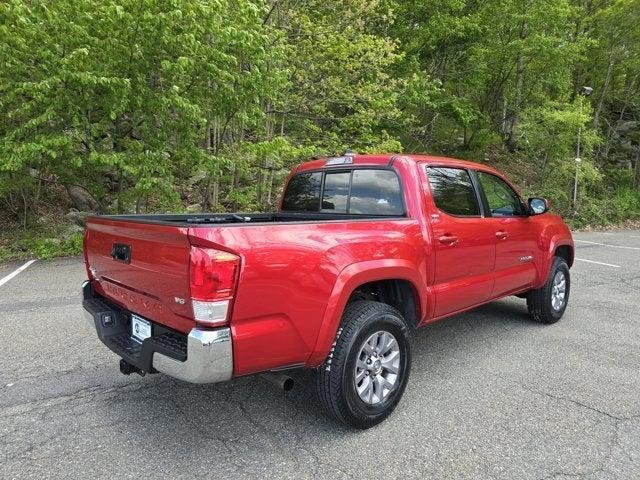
column 303, row 193
column 375, row 192
column 453, row 191
column 336, row 192
column 503, row 201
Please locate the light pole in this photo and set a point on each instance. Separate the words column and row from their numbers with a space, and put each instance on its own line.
column 584, row 92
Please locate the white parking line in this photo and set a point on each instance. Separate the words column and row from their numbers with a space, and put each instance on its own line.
column 606, row 245
column 16, row 272
column 598, row 263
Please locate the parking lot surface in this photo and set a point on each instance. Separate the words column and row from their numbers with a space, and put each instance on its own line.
column 491, row 394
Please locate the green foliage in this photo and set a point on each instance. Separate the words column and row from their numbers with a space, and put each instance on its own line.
column 507, row 77
column 119, row 92
column 46, row 248
column 43, row 244
column 155, row 105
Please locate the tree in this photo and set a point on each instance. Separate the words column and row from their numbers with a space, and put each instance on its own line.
column 120, row 97
column 156, row 105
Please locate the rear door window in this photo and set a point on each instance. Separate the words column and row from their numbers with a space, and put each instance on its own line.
column 375, row 192
column 452, row 191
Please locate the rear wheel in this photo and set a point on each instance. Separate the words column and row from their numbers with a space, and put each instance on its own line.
column 548, row 303
column 366, row 373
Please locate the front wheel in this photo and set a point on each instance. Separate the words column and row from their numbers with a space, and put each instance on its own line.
column 366, row 373
column 548, row 303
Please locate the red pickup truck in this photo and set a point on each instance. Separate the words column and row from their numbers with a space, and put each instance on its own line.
column 363, row 249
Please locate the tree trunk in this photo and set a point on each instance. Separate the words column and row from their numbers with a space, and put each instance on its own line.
column 636, row 173
column 25, row 203
column 119, row 208
column 515, row 118
column 235, row 178
column 503, row 123
column 269, row 185
column 206, row 193
column 605, row 87
column 206, row 196
column 215, row 194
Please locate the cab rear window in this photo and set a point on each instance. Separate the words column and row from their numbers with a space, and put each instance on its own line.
column 303, row 193
column 357, row 192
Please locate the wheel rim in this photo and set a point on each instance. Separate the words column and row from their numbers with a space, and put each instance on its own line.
column 558, row 290
column 377, row 368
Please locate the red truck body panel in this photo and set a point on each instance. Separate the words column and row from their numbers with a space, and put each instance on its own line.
column 296, row 277
column 288, row 275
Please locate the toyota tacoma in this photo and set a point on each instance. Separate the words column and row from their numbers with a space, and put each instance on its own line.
column 362, row 250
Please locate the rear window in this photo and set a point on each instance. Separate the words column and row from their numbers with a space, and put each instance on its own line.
column 303, row 193
column 335, row 194
column 358, row 191
column 453, row 191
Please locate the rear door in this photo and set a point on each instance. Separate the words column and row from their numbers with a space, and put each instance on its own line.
column 515, row 235
column 464, row 244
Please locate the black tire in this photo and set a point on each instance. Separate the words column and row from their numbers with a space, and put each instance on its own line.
column 335, row 380
column 539, row 301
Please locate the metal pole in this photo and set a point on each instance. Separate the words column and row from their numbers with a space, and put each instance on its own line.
column 577, row 159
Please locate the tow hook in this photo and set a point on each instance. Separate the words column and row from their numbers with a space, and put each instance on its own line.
column 127, row 369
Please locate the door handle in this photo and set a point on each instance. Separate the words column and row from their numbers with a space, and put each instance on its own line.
column 501, row 235
column 448, row 239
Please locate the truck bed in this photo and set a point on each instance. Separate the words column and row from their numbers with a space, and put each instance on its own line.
column 230, row 219
column 289, row 268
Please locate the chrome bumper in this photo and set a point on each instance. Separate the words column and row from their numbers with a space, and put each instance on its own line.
column 209, row 355
column 209, row 358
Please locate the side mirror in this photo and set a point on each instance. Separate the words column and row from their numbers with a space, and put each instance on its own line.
column 538, row 206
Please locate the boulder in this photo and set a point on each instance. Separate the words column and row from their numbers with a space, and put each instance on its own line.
column 82, row 199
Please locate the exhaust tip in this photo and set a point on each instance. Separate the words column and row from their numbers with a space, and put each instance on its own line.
column 280, row 380
column 288, row 384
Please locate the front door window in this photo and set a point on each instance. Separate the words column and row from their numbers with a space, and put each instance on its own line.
column 502, row 200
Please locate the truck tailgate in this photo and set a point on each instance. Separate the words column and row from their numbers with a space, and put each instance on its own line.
column 143, row 267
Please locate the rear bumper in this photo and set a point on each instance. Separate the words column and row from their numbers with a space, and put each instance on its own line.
column 202, row 356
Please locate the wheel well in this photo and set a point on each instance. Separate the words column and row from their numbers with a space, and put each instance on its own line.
column 566, row 252
column 400, row 294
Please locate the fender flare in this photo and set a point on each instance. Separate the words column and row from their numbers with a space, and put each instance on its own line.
column 350, row 278
column 558, row 240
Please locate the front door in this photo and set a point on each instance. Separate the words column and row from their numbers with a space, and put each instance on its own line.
column 515, row 236
column 464, row 244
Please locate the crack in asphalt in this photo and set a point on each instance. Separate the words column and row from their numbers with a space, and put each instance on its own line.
column 576, row 402
column 615, row 441
column 79, row 393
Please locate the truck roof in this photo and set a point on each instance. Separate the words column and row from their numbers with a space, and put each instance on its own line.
column 387, row 158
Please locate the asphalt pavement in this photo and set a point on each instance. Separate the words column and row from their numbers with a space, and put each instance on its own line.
column 491, row 394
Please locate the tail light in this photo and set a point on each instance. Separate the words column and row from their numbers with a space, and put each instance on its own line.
column 212, row 277
column 85, row 240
